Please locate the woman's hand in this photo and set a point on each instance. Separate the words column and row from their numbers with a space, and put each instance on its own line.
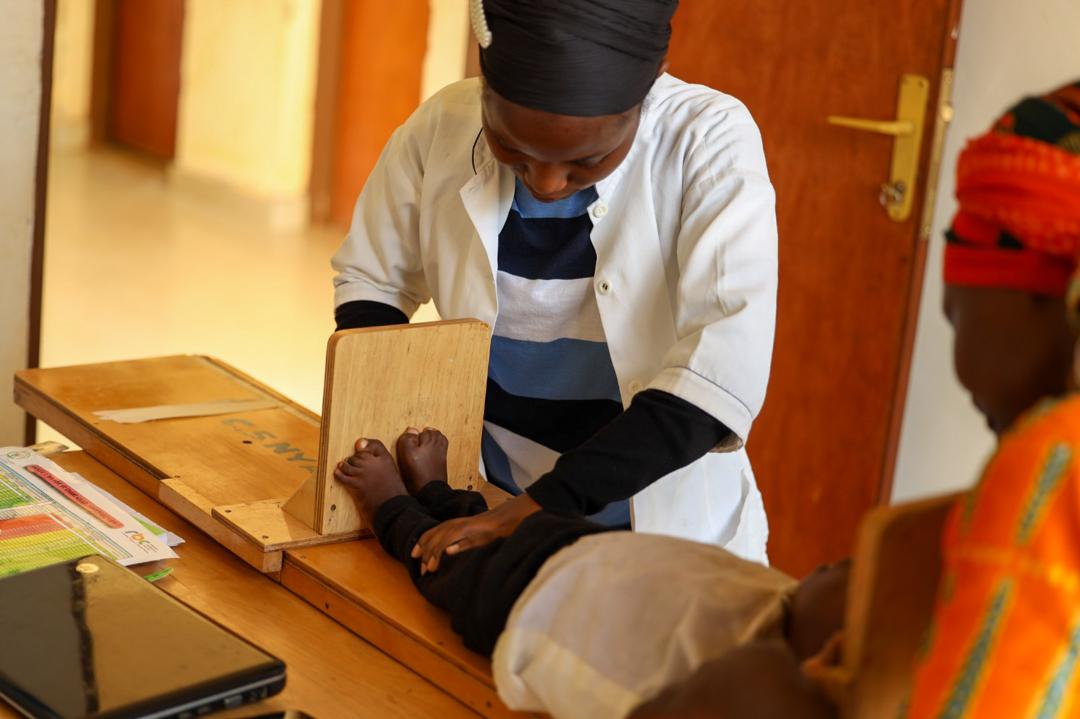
column 457, row 535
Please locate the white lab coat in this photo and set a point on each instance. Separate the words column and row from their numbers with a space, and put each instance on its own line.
column 686, row 270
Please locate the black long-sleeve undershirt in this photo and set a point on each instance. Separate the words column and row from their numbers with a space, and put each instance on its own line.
column 656, row 435
column 365, row 313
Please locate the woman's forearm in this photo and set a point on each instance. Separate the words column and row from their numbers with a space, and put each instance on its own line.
column 365, row 313
column 658, row 434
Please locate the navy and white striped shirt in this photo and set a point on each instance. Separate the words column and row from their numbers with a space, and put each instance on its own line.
column 551, row 383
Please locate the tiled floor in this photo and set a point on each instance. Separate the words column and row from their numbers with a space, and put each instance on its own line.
column 137, row 267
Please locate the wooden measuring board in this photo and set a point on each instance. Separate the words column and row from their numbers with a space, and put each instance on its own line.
column 893, row 585
column 241, row 461
column 217, row 471
column 379, row 381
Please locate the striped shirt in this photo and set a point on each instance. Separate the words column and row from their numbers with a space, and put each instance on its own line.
column 551, row 383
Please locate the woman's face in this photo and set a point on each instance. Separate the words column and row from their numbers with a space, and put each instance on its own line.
column 556, row 155
column 1010, row 348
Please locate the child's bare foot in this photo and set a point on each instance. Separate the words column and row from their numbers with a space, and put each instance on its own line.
column 422, row 456
column 371, row 475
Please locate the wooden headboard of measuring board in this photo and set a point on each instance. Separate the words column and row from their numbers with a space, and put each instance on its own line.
column 381, row 380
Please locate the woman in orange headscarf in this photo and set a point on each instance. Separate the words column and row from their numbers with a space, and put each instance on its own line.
column 1005, row 641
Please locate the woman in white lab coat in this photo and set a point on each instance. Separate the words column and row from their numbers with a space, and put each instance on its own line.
column 616, row 228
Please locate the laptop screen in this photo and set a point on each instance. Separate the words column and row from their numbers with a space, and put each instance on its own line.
column 89, row 637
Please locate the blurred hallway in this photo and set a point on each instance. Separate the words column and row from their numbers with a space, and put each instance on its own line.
column 209, row 248
column 138, row 266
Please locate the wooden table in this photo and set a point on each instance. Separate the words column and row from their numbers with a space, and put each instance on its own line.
column 331, row 672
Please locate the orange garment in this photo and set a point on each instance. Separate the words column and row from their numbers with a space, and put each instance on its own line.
column 1005, row 641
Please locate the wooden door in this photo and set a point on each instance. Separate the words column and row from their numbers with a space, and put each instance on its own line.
column 144, row 75
column 382, row 46
column 824, row 447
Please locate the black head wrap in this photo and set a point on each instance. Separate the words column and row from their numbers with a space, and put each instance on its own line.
column 576, row 57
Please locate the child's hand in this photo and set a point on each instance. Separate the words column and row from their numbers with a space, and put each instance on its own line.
column 457, row 535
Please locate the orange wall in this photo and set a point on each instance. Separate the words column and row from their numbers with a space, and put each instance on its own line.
column 383, row 47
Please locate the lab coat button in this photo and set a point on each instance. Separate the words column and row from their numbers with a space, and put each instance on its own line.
column 599, row 210
column 603, row 287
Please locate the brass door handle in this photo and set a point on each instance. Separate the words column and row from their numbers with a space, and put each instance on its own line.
column 895, row 128
column 898, row 194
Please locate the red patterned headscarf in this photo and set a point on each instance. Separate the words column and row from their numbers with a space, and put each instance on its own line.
column 1019, row 191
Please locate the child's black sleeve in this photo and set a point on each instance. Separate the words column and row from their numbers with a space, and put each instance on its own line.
column 657, row 434
column 365, row 313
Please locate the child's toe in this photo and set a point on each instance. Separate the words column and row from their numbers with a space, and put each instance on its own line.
column 376, row 448
column 432, row 436
column 408, row 440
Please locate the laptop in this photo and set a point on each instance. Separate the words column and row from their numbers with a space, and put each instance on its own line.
column 88, row 638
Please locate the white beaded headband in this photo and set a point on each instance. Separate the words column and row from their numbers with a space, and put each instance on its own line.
column 479, row 23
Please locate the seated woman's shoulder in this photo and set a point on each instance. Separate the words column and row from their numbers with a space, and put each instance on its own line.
column 1046, row 439
column 1050, row 420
